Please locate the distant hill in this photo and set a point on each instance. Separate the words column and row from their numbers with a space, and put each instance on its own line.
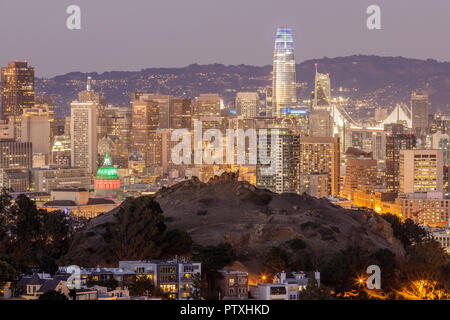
column 383, row 81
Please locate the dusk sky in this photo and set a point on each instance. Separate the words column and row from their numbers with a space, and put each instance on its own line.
column 136, row 34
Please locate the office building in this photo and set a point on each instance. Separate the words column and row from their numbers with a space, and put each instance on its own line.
column 17, row 93
column 420, row 171
column 284, row 94
column 207, row 105
column 320, row 124
column 36, row 129
column 247, row 104
column 15, row 154
column 430, row 208
column 395, row 143
column 322, row 92
column 145, row 123
column 419, row 111
column 48, row 179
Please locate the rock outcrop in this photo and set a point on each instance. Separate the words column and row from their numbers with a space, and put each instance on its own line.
column 254, row 220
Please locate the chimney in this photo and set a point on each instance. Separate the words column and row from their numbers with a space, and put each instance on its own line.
column 282, row 277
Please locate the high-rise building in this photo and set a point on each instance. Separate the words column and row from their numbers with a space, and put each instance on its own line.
column 17, row 88
column 145, row 123
column 379, row 146
column 118, row 125
column 320, row 124
column 284, row 94
column 15, row 154
column 281, row 175
column 359, row 172
column 419, row 111
column 61, row 151
column 83, row 134
column 247, row 104
column 181, row 115
column 207, row 104
column 319, row 155
column 420, row 171
column 269, row 102
column 395, row 143
column 36, row 129
column 442, row 141
column 322, row 92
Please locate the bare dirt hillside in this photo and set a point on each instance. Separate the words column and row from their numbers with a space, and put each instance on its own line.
column 253, row 221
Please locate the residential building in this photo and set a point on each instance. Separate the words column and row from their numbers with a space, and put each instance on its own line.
column 83, row 133
column 320, row 155
column 173, row 276
column 286, row 286
column 234, row 284
column 359, row 172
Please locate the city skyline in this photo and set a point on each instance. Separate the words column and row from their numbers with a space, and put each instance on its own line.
column 325, row 180
column 343, row 32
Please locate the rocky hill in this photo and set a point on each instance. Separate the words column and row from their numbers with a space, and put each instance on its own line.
column 252, row 220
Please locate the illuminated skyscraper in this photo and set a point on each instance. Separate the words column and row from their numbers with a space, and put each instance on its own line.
column 322, row 92
column 83, row 134
column 395, row 143
column 17, row 89
column 284, row 82
column 419, row 111
column 145, row 123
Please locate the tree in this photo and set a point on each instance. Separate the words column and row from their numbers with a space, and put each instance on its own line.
column 214, row 258
column 53, row 295
column 314, row 292
column 344, row 267
column 138, row 230
column 143, row 286
column 276, row 261
column 198, row 284
column 407, row 232
column 7, row 273
column 177, row 242
column 426, row 257
column 390, row 275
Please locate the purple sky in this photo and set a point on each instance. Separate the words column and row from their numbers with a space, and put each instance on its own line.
column 135, row 34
